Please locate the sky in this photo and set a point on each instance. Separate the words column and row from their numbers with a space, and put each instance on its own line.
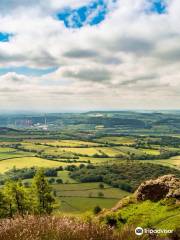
column 81, row 55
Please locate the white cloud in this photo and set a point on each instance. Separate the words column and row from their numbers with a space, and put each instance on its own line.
column 130, row 60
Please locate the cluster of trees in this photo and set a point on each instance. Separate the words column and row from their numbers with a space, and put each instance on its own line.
column 27, row 173
column 110, row 121
column 15, row 198
column 163, row 155
column 165, row 141
column 126, row 175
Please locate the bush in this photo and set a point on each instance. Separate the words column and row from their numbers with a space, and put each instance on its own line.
column 59, row 181
column 101, row 186
column 97, row 210
column 51, row 180
column 100, row 194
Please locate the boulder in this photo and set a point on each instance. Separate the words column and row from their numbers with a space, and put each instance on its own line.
column 167, row 186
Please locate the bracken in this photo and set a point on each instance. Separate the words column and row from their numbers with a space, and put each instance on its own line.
column 59, row 228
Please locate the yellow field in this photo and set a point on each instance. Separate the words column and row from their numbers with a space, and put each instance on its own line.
column 172, row 162
column 97, row 160
column 176, row 158
column 32, row 146
column 118, row 140
column 71, row 143
column 150, row 151
column 111, row 152
column 58, row 147
column 175, row 161
column 86, row 151
column 94, row 150
column 3, row 150
column 28, row 162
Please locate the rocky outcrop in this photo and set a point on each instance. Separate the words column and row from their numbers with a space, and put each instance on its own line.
column 163, row 187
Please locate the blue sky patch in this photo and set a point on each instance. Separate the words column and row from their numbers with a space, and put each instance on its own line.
column 27, row 71
column 91, row 14
column 5, row 37
column 158, row 6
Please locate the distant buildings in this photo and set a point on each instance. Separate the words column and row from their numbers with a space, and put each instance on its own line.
column 41, row 126
column 26, row 123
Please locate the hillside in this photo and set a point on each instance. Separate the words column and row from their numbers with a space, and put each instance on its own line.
column 126, row 175
column 151, row 213
column 119, row 223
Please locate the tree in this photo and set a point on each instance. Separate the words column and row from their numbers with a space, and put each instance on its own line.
column 4, row 208
column 43, row 195
column 51, row 181
column 17, row 198
column 100, row 194
column 101, row 186
column 59, row 181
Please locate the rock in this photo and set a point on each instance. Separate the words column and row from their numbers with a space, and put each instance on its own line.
column 163, row 187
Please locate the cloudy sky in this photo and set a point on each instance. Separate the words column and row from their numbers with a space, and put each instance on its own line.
column 78, row 55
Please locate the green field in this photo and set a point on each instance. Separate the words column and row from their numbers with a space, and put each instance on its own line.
column 75, row 197
column 85, row 151
column 71, row 143
column 88, row 190
column 84, row 204
column 28, row 162
column 173, row 162
column 150, row 151
column 64, row 175
column 118, row 140
column 10, row 153
column 6, row 150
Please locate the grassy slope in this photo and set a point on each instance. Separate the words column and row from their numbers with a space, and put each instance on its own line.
column 83, row 204
column 81, row 197
column 151, row 214
column 172, row 162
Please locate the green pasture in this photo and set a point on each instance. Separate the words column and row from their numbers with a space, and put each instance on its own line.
column 64, row 175
column 118, row 140
column 28, row 162
column 150, row 151
column 88, row 190
column 84, row 204
column 13, row 154
column 6, row 150
column 171, row 162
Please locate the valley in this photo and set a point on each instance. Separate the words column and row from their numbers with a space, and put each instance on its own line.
column 75, row 144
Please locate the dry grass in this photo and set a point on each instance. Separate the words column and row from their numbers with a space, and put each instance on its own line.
column 59, row 228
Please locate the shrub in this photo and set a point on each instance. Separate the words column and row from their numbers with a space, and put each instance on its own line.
column 59, row 181
column 100, row 194
column 101, row 186
column 51, row 180
column 97, row 210
column 60, row 228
